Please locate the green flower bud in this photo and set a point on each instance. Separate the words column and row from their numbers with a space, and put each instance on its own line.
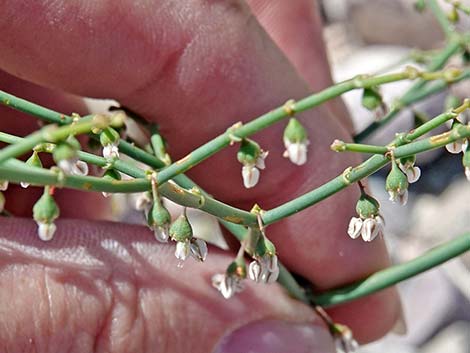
column 295, row 132
column 237, row 268
column 397, row 185
column 249, row 152
column 181, row 230
column 408, row 161
column 109, row 136
column 45, row 210
column 367, row 206
column 159, row 216
column 265, row 247
column 371, row 98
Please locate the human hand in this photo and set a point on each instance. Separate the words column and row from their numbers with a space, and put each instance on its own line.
column 196, row 67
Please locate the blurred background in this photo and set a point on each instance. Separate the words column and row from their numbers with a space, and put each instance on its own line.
column 375, row 35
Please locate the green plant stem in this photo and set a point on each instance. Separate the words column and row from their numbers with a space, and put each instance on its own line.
column 417, row 91
column 395, row 274
column 340, row 146
column 441, row 17
column 210, row 148
column 370, row 166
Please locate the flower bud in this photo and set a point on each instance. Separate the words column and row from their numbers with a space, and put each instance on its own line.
column 181, row 230
column 237, row 268
column 159, row 220
column 453, row 15
column 249, row 152
column 109, row 139
column 371, row 98
column 367, row 206
column 397, row 185
column 420, row 5
column 45, row 211
column 295, row 142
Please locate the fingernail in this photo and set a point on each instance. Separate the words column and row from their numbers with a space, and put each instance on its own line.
column 272, row 336
column 400, row 328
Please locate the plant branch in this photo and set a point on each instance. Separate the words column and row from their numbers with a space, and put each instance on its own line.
column 395, row 274
column 417, row 91
column 441, row 17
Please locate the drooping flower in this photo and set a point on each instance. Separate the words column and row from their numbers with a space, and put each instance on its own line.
column 396, row 185
column 407, row 165
column 295, row 142
column 370, row 223
column 159, row 220
column 45, row 211
column 252, row 157
column 264, row 269
column 227, row 285
column 230, row 282
column 109, row 139
column 65, row 156
column 182, row 232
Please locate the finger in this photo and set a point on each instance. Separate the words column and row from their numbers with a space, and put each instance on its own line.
column 103, row 287
column 296, row 27
column 19, row 201
column 196, row 68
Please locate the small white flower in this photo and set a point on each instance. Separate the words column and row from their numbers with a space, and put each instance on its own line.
column 457, row 146
column 198, row 249
column 182, row 250
column 371, row 228
column 345, row 342
column 143, row 201
column 3, row 185
column 296, row 151
column 413, row 174
column 368, row 228
column 227, row 285
column 400, row 196
column 264, row 269
column 46, row 231
column 260, row 161
column 111, row 151
column 250, row 176
column 24, row 185
column 467, row 173
column 161, row 234
column 106, row 194
column 355, row 226
column 73, row 167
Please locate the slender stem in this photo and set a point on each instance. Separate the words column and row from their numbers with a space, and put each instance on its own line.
column 417, row 92
column 441, row 17
column 395, row 274
column 341, row 146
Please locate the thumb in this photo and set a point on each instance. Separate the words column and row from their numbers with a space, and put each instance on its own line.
column 103, row 287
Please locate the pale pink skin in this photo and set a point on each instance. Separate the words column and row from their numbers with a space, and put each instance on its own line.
column 197, row 67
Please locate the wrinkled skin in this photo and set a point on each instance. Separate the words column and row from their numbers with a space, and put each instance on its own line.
column 196, row 67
